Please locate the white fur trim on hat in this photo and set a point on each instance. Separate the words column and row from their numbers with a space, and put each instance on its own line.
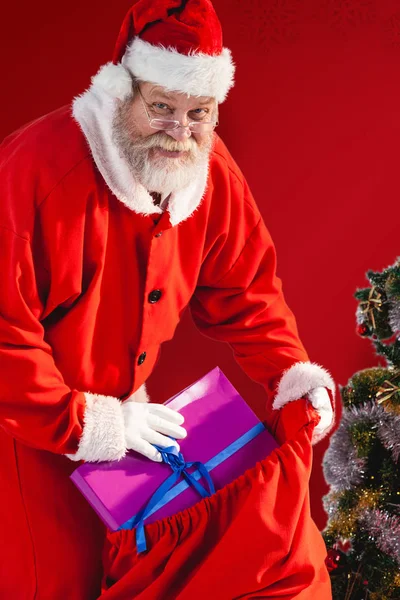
column 113, row 79
column 103, row 435
column 196, row 74
column 299, row 379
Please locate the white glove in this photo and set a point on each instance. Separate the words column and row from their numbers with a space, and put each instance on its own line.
column 147, row 424
column 321, row 401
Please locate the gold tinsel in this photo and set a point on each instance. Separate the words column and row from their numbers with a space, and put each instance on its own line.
column 363, row 441
column 396, row 581
column 345, row 522
column 344, row 525
column 369, row 499
column 392, row 589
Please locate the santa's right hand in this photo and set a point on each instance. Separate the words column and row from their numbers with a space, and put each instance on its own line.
column 148, row 424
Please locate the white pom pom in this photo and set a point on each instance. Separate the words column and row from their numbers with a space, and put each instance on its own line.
column 115, row 80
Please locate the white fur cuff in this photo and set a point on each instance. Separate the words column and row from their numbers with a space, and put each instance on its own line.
column 103, row 436
column 300, row 379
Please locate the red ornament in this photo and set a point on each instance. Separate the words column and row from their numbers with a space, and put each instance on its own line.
column 363, row 329
column 332, row 560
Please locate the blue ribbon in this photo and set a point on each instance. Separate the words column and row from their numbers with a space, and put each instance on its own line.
column 172, row 457
column 209, row 465
column 165, row 494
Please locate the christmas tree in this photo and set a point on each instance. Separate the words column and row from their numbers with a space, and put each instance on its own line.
column 362, row 463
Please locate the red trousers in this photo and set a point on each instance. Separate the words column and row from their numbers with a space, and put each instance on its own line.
column 253, row 539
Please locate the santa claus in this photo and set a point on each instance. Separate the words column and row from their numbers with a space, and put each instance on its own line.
column 118, row 213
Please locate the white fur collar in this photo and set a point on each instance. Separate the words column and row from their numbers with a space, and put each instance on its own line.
column 94, row 111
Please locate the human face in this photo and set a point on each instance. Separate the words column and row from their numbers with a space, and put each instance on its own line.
column 163, row 161
column 197, row 116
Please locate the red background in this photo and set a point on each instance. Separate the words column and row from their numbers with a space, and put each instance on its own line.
column 314, row 123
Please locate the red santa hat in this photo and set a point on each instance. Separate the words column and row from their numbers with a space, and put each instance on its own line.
column 176, row 44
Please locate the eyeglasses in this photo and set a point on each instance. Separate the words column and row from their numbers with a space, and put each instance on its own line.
column 169, row 125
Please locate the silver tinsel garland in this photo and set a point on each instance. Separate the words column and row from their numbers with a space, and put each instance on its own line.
column 384, row 530
column 331, row 504
column 394, row 316
column 389, row 434
column 343, row 470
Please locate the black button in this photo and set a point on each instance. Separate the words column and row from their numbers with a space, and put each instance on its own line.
column 141, row 358
column 159, row 234
column 154, row 296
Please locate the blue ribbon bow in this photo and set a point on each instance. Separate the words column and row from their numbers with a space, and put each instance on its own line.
column 172, row 457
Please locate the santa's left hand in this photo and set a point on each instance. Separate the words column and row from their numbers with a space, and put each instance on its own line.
column 321, row 401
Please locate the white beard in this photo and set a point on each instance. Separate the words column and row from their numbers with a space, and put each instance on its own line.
column 157, row 173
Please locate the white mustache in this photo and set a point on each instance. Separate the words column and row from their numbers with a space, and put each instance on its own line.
column 159, row 140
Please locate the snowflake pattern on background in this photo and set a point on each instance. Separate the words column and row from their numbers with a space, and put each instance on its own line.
column 346, row 15
column 392, row 31
column 266, row 23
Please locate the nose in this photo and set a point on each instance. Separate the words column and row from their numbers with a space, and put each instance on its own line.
column 180, row 134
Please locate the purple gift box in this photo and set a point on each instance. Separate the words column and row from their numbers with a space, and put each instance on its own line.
column 223, row 433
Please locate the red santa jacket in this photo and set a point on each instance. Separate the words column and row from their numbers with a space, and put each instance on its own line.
column 94, row 283
column 94, row 278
